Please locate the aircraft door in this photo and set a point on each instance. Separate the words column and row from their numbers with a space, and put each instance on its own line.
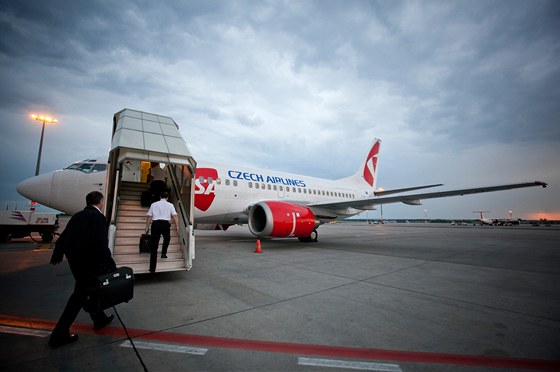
column 131, row 171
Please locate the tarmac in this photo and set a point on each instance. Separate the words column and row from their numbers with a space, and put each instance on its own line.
column 393, row 297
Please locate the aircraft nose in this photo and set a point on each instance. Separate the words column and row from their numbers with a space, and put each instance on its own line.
column 36, row 188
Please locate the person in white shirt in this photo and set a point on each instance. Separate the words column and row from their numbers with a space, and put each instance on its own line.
column 160, row 215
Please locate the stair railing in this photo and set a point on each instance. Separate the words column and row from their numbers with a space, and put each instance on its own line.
column 115, row 206
column 186, row 230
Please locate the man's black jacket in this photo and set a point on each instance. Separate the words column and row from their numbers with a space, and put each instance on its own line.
column 84, row 242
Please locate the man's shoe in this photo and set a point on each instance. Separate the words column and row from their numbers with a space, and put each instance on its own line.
column 61, row 341
column 163, row 256
column 98, row 325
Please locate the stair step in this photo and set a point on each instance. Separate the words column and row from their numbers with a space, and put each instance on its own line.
column 129, row 197
column 128, row 184
column 143, row 268
column 131, row 207
column 134, row 240
column 145, row 257
column 123, row 232
column 133, row 249
column 131, row 202
column 132, row 213
column 124, row 225
column 137, row 220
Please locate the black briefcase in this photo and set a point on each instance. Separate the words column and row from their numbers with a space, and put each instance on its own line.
column 110, row 290
column 144, row 245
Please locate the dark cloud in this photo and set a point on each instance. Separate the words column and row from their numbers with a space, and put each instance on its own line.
column 297, row 86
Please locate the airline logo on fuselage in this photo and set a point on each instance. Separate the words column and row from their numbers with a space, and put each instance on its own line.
column 203, row 189
column 204, row 192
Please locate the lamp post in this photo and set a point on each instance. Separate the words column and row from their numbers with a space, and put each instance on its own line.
column 44, row 119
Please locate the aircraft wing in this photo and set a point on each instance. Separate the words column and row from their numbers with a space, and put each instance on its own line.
column 396, row 191
column 415, row 199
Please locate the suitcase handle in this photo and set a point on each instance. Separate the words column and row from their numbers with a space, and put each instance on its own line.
column 106, row 282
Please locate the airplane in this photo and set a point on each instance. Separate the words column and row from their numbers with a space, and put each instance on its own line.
column 272, row 203
column 483, row 220
column 510, row 221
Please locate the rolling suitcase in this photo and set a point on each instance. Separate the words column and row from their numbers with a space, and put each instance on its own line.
column 144, row 244
column 110, row 290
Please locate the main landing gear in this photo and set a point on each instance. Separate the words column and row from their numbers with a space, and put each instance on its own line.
column 311, row 238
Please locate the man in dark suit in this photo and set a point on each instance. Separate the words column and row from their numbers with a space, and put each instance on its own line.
column 84, row 242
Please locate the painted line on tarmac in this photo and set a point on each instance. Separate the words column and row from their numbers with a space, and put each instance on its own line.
column 165, row 347
column 298, row 349
column 24, row 331
column 364, row 366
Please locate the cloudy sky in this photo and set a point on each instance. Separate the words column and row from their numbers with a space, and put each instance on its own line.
column 462, row 93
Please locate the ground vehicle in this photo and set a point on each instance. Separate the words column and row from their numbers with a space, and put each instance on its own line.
column 17, row 224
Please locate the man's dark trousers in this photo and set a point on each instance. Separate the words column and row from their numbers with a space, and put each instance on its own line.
column 159, row 228
column 73, row 307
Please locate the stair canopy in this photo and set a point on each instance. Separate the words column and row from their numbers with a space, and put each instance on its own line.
column 144, row 136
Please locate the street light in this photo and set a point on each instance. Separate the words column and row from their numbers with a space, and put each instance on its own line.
column 44, row 119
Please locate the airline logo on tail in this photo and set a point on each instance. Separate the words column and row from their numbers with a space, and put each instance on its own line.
column 371, row 164
column 204, row 190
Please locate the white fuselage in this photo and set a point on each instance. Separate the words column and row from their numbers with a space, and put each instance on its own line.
column 226, row 199
column 223, row 193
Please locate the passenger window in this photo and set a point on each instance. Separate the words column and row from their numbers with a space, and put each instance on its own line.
column 227, row 182
column 210, row 180
column 235, row 183
column 250, row 185
column 256, row 186
column 280, row 188
column 269, row 187
column 274, row 187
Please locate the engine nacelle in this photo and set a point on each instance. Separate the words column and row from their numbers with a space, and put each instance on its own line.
column 281, row 219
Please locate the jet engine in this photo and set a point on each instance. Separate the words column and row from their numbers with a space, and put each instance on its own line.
column 282, row 219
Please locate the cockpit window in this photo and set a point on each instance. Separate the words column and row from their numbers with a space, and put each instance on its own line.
column 99, row 167
column 88, row 166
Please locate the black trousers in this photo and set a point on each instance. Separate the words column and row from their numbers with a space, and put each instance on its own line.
column 159, row 228
column 73, row 306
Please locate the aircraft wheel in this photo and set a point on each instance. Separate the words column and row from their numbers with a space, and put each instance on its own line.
column 309, row 239
column 47, row 237
column 314, row 235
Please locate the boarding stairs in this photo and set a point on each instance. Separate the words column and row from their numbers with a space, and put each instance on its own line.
column 131, row 224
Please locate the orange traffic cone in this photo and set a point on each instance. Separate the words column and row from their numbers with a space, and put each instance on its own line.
column 258, row 247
